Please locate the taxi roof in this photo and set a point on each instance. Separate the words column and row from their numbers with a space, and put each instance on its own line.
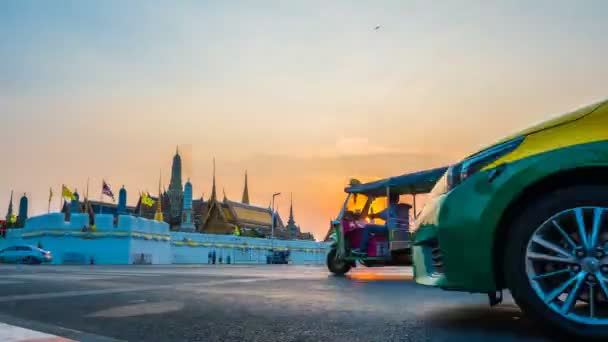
column 410, row 183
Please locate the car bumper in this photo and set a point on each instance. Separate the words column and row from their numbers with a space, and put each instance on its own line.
column 453, row 240
column 428, row 267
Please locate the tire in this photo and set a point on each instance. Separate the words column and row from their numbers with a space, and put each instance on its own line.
column 336, row 266
column 535, row 216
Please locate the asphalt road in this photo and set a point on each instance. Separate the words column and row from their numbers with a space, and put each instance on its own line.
column 248, row 303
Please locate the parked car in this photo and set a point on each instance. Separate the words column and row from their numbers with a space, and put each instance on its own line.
column 277, row 257
column 528, row 214
column 25, row 254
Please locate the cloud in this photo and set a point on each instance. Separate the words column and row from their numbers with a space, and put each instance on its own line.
column 349, row 146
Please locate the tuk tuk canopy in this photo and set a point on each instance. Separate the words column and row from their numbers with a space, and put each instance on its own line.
column 411, row 183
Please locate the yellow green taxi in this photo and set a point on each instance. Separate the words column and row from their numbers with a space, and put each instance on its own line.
column 528, row 214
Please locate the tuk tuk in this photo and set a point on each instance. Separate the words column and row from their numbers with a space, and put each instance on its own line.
column 385, row 247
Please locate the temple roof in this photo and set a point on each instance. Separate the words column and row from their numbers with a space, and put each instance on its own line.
column 248, row 213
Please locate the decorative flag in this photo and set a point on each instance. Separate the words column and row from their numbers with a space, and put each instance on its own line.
column 67, row 193
column 146, row 200
column 106, row 190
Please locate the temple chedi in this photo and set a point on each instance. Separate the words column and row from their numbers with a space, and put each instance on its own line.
column 23, row 205
column 175, row 192
column 187, row 222
column 122, row 201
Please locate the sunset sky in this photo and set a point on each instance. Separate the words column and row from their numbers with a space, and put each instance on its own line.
column 302, row 94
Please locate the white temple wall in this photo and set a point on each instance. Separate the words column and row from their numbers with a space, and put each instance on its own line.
column 137, row 240
column 194, row 248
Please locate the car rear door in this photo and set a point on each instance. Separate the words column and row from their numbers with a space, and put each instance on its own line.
column 10, row 254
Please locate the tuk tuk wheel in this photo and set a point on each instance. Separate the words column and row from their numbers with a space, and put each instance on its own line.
column 337, row 265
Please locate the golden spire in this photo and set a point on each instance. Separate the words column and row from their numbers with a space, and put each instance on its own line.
column 158, row 215
column 245, row 199
column 213, row 194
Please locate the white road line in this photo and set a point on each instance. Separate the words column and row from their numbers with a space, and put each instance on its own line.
column 62, row 277
column 11, row 333
column 76, row 293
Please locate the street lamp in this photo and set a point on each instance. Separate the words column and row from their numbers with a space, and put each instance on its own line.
column 272, row 224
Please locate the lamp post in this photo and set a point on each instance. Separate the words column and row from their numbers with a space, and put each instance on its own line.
column 272, row 223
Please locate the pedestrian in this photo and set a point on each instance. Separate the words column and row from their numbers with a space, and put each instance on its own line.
column 209, row 257
column 220, row 258
column 213, row 257
column 228, row 260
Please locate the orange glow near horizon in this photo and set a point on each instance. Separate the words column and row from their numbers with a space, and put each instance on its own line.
column 303, row 96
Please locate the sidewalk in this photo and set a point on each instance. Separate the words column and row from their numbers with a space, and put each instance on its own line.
column 11, row 333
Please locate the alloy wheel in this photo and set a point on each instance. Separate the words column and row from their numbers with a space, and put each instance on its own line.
column 567, row 264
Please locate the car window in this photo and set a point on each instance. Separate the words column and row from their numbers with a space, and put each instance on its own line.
column 356, row 203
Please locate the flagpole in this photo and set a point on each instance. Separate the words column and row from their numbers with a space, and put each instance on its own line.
column 61, row 198
column 86, row 199
column 50, row 198
column 101, row 199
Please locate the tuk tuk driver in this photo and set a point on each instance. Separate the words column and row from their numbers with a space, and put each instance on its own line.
column 391, row 212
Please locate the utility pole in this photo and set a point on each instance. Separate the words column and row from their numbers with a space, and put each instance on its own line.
column 272, row 224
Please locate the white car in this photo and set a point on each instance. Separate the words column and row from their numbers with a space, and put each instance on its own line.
column 25, row 254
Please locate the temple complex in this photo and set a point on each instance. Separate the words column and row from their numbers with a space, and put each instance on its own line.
column 177, row 207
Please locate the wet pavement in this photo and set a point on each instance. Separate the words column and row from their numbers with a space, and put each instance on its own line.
column 248, row 303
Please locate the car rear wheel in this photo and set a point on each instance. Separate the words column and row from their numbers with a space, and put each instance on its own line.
column 337, row 266
column 556, row 260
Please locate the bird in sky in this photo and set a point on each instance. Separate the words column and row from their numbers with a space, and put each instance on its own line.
column 377, row 27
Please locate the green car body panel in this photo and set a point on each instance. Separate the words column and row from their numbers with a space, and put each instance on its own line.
column 465, row 220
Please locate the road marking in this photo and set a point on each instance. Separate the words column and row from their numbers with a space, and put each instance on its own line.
column 9, row 282
column 62, row 277
column 11, row 333
column 139, row 309
column 76, row 293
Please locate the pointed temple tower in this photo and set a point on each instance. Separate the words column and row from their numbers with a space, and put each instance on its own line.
column 245, row 191
column 215, row 221
column 293, row 230
column 9, row 212
column 75, row 203
column 187, row 223
column 122, row 201
column 213, row 191
column 175, row 188
column 23, row 204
